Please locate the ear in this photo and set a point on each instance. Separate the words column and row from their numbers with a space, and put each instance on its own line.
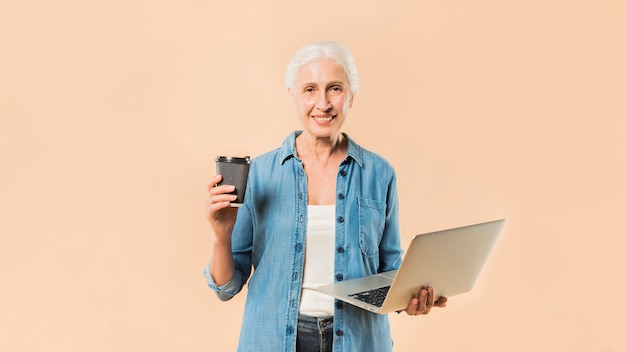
column 292, row 97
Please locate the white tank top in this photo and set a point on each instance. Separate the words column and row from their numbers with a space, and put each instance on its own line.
column 319, row 261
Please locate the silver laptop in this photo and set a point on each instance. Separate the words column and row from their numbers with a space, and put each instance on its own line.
column 449, row 261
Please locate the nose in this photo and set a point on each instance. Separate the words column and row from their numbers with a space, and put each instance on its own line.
column 323, row 102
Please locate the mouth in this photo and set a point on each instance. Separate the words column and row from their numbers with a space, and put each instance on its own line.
column 323, row 119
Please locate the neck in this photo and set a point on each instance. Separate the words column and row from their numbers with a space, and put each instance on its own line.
column 321, row 148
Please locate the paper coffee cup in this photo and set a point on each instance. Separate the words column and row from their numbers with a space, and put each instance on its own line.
column 234, row 171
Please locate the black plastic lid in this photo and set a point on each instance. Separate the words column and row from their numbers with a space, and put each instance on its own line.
column 233, row 159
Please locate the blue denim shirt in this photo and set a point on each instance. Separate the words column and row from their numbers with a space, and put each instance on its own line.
column 270, row 236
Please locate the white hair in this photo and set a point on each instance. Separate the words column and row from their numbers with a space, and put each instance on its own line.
column 331, row 50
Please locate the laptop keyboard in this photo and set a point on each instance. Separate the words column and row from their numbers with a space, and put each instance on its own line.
column 374, row 297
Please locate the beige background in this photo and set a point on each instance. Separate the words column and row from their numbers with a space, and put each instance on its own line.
column 111, row 113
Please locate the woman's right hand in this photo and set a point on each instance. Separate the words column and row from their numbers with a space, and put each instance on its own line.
column 220, row 214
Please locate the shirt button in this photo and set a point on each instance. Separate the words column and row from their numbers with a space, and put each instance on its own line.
column 339, row 305
column 299, row 247
column 340, row 249
column 339, row 277
column 342, row 172
column 340, row 219
column 339, row 333
column 289, row 330
column 341, row 196
column 301, row 218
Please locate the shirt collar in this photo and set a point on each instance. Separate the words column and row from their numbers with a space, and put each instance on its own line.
column 288, row 149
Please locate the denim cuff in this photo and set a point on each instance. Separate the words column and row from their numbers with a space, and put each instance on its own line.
column 226, row 291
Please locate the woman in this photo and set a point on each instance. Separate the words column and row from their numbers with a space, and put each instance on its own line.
column 318, row 209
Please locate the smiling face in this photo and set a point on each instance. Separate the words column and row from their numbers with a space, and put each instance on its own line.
column 322, row 98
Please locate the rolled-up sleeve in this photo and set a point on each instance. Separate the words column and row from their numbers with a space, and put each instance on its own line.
column 228, row 290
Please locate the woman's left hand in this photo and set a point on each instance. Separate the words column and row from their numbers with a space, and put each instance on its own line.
column 424, row 302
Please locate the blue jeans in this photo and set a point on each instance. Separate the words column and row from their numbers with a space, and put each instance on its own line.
column 314, row 334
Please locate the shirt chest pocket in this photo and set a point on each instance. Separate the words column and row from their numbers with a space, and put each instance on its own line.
column 371, row 225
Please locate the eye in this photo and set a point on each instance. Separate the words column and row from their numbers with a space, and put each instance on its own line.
column 309, row 89
column 336, row 89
